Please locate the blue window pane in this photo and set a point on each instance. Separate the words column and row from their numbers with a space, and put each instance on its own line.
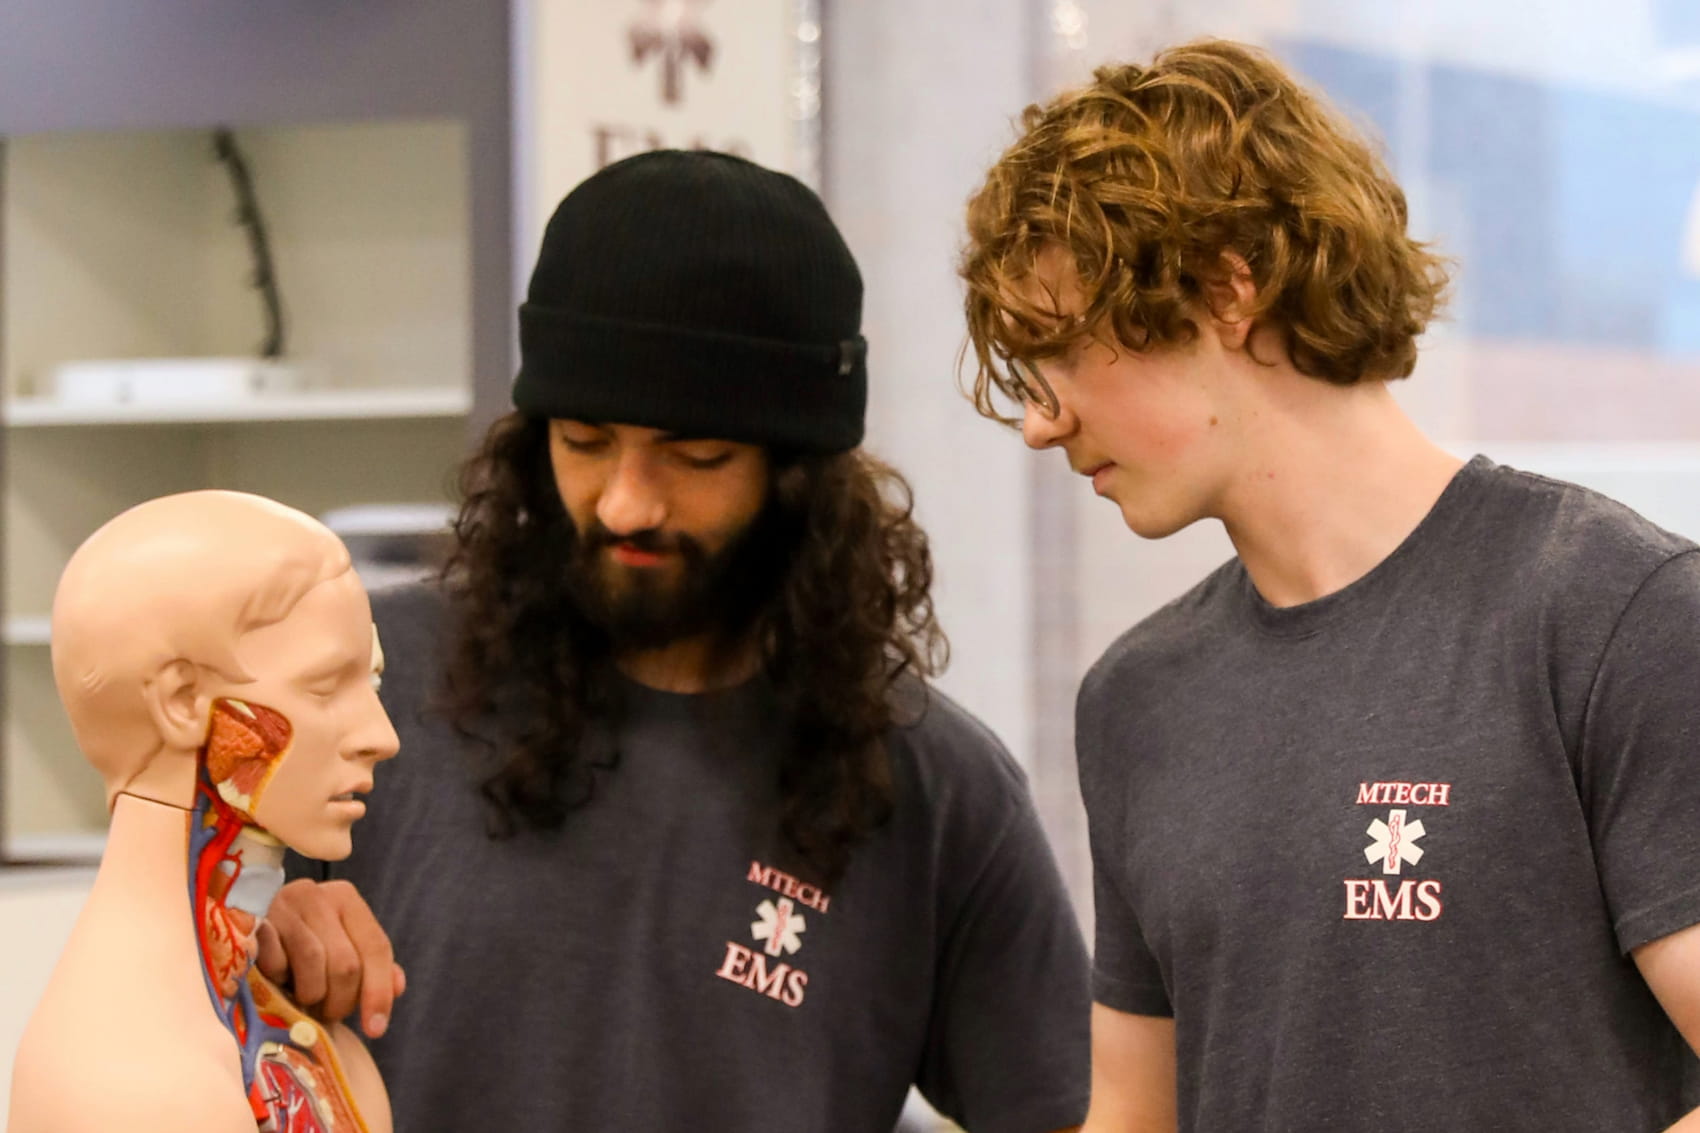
column 1575, row 203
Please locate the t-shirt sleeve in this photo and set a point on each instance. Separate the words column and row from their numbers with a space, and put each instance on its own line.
column 1125, row 973
column 1640, row 758
column 1008, row 1049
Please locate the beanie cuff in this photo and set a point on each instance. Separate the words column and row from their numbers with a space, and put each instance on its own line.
column 802, row 396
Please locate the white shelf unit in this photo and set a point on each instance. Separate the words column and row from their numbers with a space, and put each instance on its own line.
column 122, row 246
column 26, row 629
column 316, row 405
column 80, row 846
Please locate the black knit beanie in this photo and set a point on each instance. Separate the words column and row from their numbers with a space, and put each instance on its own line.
column 701, row 294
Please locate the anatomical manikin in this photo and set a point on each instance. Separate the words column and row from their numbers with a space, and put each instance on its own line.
column 216, row 655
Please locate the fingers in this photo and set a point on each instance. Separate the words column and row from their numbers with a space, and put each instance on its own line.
column 377, row 979
column 304, row 955
column 338, row 956
column 272, row 961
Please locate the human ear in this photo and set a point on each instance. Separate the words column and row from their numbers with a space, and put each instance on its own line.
column 178, row 705
column 1231, row 295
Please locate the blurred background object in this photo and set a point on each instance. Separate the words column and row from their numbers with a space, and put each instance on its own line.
column 139, row 359
column 392, row 544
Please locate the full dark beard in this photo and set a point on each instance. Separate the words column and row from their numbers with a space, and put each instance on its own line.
column 699, row 593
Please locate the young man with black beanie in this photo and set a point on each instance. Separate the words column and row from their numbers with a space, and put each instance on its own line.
column 680, row 838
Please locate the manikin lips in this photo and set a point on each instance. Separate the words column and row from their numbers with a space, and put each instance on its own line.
column 244, row 744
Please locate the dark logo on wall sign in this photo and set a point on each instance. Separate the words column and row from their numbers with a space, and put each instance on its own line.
column 671, row 30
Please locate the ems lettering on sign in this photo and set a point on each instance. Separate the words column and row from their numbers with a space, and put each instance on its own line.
column 777, row 931
column 1394, row 839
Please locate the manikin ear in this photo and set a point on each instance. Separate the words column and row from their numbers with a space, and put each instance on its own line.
column 177, row 704
column 1232, row 297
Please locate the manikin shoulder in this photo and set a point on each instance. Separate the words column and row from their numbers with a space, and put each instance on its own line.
column 105, row 1057
column 125, row 1067
column 109, row 1049
column 364, row 1081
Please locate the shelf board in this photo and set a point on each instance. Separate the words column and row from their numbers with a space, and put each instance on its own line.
column 26, row 629
column 322, row 405
column 389, row 519
column 71, row 847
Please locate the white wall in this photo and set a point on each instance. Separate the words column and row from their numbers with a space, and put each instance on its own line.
column 37, row 909
column 123, row 245
column 919, row 98
column 580, row 103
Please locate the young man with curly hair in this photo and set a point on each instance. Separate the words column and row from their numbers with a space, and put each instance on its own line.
column 1394, row 815
column 680, row 839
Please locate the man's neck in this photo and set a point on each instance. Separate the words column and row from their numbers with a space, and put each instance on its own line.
column 693, row 665
column 1337, row 478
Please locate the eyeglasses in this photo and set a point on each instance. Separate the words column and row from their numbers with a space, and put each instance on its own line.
column 1021, row 382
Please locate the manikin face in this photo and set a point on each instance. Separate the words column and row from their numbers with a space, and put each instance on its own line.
column 658, row 518
column 1151, row 430
column 318, row 671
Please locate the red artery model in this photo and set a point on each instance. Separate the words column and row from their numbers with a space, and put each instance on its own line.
column 294, row 1081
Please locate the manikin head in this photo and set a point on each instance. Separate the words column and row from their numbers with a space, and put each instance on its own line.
column 226, row 629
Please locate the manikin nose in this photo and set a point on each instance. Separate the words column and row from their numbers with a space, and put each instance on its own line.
column 375, row 738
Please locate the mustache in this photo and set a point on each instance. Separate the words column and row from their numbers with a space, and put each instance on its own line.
column 595, row 537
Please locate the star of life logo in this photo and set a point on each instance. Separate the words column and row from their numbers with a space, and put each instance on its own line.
column 1393, row 845
column 1394, row 842
column 672, row 31
column 779, row 926
column 778, row 931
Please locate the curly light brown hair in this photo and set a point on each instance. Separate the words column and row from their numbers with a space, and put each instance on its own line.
column 1151, row 178
column 839, row 601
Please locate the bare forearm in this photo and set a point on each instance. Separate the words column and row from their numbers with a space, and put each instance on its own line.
column 1094, row 1124
column 1133, row 1073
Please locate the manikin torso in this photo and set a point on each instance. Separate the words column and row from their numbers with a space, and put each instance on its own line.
column 154, row 1018
column 182, row 1061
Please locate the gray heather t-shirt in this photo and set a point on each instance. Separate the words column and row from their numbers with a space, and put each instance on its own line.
column 655, row 965
column 1382, row 856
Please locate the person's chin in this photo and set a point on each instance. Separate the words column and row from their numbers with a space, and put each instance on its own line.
column 1152, row 522
column 332, row 844
column 621, row 580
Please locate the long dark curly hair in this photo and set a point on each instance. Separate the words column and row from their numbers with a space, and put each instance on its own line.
column 843, row 612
